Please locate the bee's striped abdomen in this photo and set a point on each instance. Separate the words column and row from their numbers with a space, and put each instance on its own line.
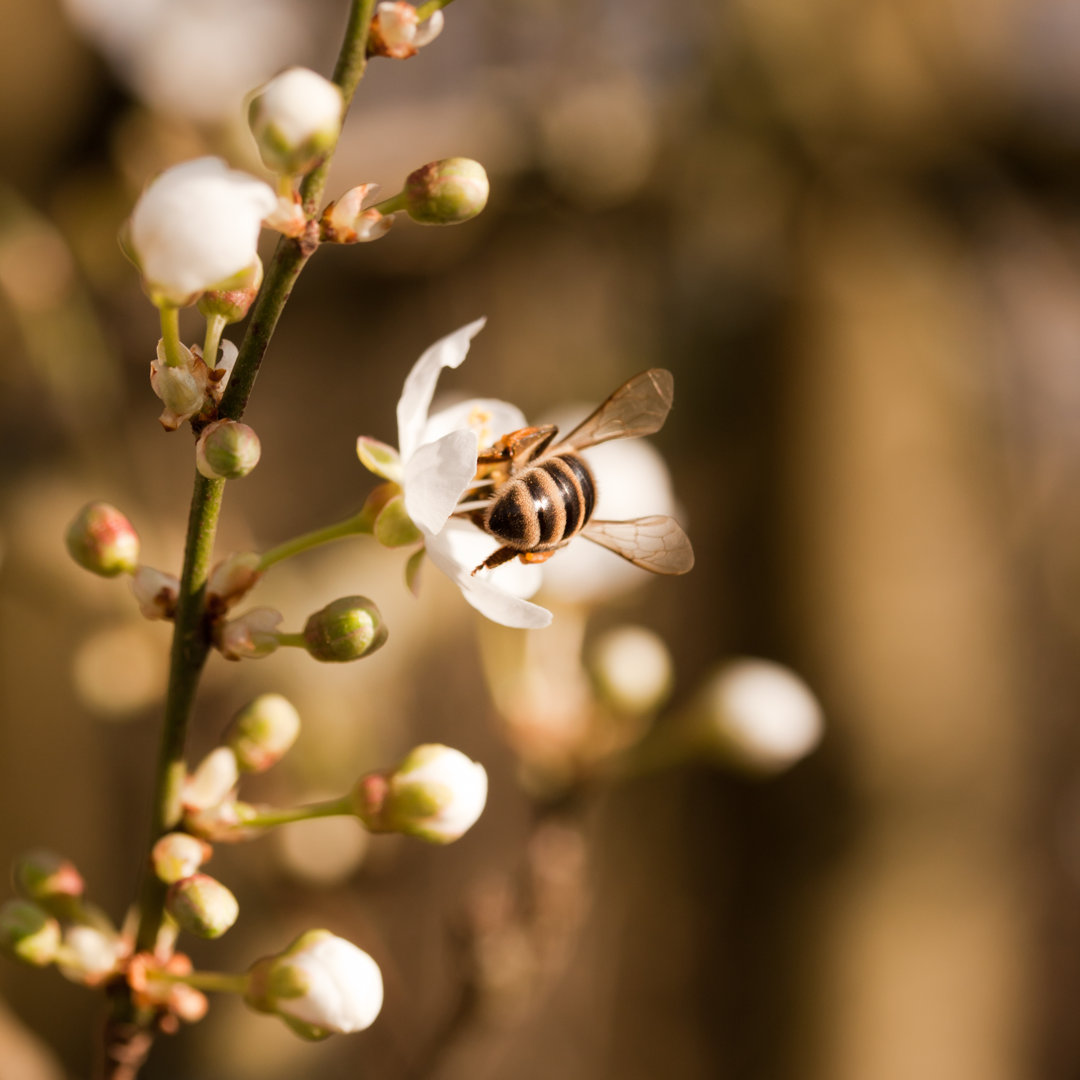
column 544, row 506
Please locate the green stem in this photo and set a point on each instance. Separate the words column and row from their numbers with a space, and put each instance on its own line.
column 397, row 202
column 267, row 817
column 215, row 326
column 127, row 1035
column 296, row 641
column 189, row 649
column 356, row 525
column 425, row 11
column 170, row 335
column 214, row 981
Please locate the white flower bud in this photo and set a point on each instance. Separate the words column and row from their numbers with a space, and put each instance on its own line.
column 182, row 387
column 758, row 714
column 178, row 855
column 632, row 666
column 212, row 782
column 227, row 450
column 196, row 227
column 396, row 33
column 296, row 120
column 89, row 954
column 103, row 541
column 251, row 635
column 436, row 794
column 156, row 592
column 262, row 732
column 320, row 985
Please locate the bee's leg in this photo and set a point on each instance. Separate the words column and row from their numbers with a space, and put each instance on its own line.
column 498, row 557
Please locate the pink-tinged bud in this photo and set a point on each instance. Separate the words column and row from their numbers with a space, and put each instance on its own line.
column 234, row 577
column 296, row 119
column 176, row 1000
column 100, row 539
column 202, row 906
column 262, row 732
column 345, row 630
column 28, row 933
column 156, row 592
column 227, row 450
column 249, row 636
column 89, row 955
column 436, row 794
column 212, row 782
column 320, row 985
column 44, row 875
column 396, row 31
column 446, row 192
column 178, row 855
column 233, row 304
column 347, row 222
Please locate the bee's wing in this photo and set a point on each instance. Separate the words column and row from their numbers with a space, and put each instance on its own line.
column 655, row 543
column 638, row 407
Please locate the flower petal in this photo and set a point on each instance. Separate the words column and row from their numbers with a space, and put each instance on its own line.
column 488, row 417
column 419, row 387
column 499, row 596
column 436, row 476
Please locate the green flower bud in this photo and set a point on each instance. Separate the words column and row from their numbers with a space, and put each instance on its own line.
column 28, row 933
column 345, row 630
column 446, row 192
column 202, row 906
column 227, row 450
column 102, row 540
column 43, row 875
column 262, row 732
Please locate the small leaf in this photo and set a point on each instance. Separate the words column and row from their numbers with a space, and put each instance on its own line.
column 412, row 571
column 379, row 458
column 394, row 527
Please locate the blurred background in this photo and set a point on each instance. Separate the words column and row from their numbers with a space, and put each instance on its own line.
column 850, row 229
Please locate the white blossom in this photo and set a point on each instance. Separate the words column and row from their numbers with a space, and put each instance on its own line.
column 196, row 227
column 436, row 467
column 88, row 954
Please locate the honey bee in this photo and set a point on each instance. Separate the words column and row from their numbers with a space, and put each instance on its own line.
column 544, row 492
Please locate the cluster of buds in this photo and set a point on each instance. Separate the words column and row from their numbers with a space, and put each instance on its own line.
column 52, row 922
